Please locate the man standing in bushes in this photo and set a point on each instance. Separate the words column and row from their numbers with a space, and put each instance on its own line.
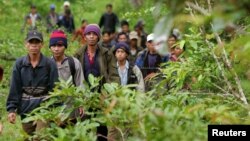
column 128, row 72
column 31, row 20
column 96, row 60
column 149, row 61
column 134, row 48
column 109, row 20
column 33, row 77
column 68, row 67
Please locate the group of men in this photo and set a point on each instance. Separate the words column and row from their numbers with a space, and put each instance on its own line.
column 124, row 61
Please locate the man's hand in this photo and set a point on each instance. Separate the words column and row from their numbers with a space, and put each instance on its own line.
column 150, row 76
column 12, row 117
column 1, row 128
column 81, row 111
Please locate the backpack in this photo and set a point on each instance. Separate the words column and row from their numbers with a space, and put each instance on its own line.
column 72, row 68
column 132, row 78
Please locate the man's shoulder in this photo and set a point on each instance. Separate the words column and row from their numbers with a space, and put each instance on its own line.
column 76, row 61
column 21, row 60
column 102, row 49
column 142, row 52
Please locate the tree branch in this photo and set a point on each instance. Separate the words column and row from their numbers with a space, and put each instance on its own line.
column 227, row 61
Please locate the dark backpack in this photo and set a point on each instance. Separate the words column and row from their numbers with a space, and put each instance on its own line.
column 72, row 68
column 132, row 78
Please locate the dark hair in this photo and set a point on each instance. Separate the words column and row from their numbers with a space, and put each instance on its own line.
column 124, row 22
column 106, row 32
column 121, row 33
column 84, row 20
column 184, row 47
column 109, row 5
column 32, row 6
column 172, row 35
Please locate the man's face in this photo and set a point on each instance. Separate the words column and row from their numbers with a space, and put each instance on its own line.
column 33, row 10
column 122, row 38
column 109, row 9
column 34, row 46
column 120, row 55
column 125, row 28
column 133, row 42
column 106, row 38
column 177, row 51
column 151, row 46
column 171, row 41
column 91, row 38
column 58, row 50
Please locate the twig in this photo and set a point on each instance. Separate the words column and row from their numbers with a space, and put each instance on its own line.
column 201, row 10
column 220, row 68
column 220, row 88
column 206, row 93
column 215, row 57
column 236, row 78
column 120, row 133
column 227, row 61
column 209, row 6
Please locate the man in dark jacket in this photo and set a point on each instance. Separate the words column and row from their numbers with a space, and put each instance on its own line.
column 67, row 21
column 33, row 77
column 109, row 20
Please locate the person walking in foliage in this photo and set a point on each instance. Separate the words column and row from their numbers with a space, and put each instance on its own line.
column 33, row 77
column 68, row 67
column 32, row 19
column 109, row 20
column 52, row 19
column 129, row 73
column 95, row 60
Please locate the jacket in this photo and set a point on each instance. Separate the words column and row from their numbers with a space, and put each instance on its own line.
column 108, row 68
column 30, row 86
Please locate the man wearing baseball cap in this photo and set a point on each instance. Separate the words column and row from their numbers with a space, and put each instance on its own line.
column 52, row 18
column 149, row 60
column 33, row 77
column 134, row 48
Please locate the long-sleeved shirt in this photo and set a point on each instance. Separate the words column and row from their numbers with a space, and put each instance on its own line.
column 131, row 75
column 65, row 72
column 29, row 86
column 109, row 22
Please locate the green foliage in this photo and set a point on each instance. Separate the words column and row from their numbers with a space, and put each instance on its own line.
column 186, row 96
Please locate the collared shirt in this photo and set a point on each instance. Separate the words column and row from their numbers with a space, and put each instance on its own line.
column 30, row 85
column 33, row 19
column 64, row 71
column 123, row 73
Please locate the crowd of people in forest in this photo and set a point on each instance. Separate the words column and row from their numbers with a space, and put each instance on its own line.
column 124, row 57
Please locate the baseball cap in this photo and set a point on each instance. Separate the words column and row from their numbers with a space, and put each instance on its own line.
column 52, row 6
column 150, row 37
column 66, row 3
column 34, row 35
column 133, row 35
